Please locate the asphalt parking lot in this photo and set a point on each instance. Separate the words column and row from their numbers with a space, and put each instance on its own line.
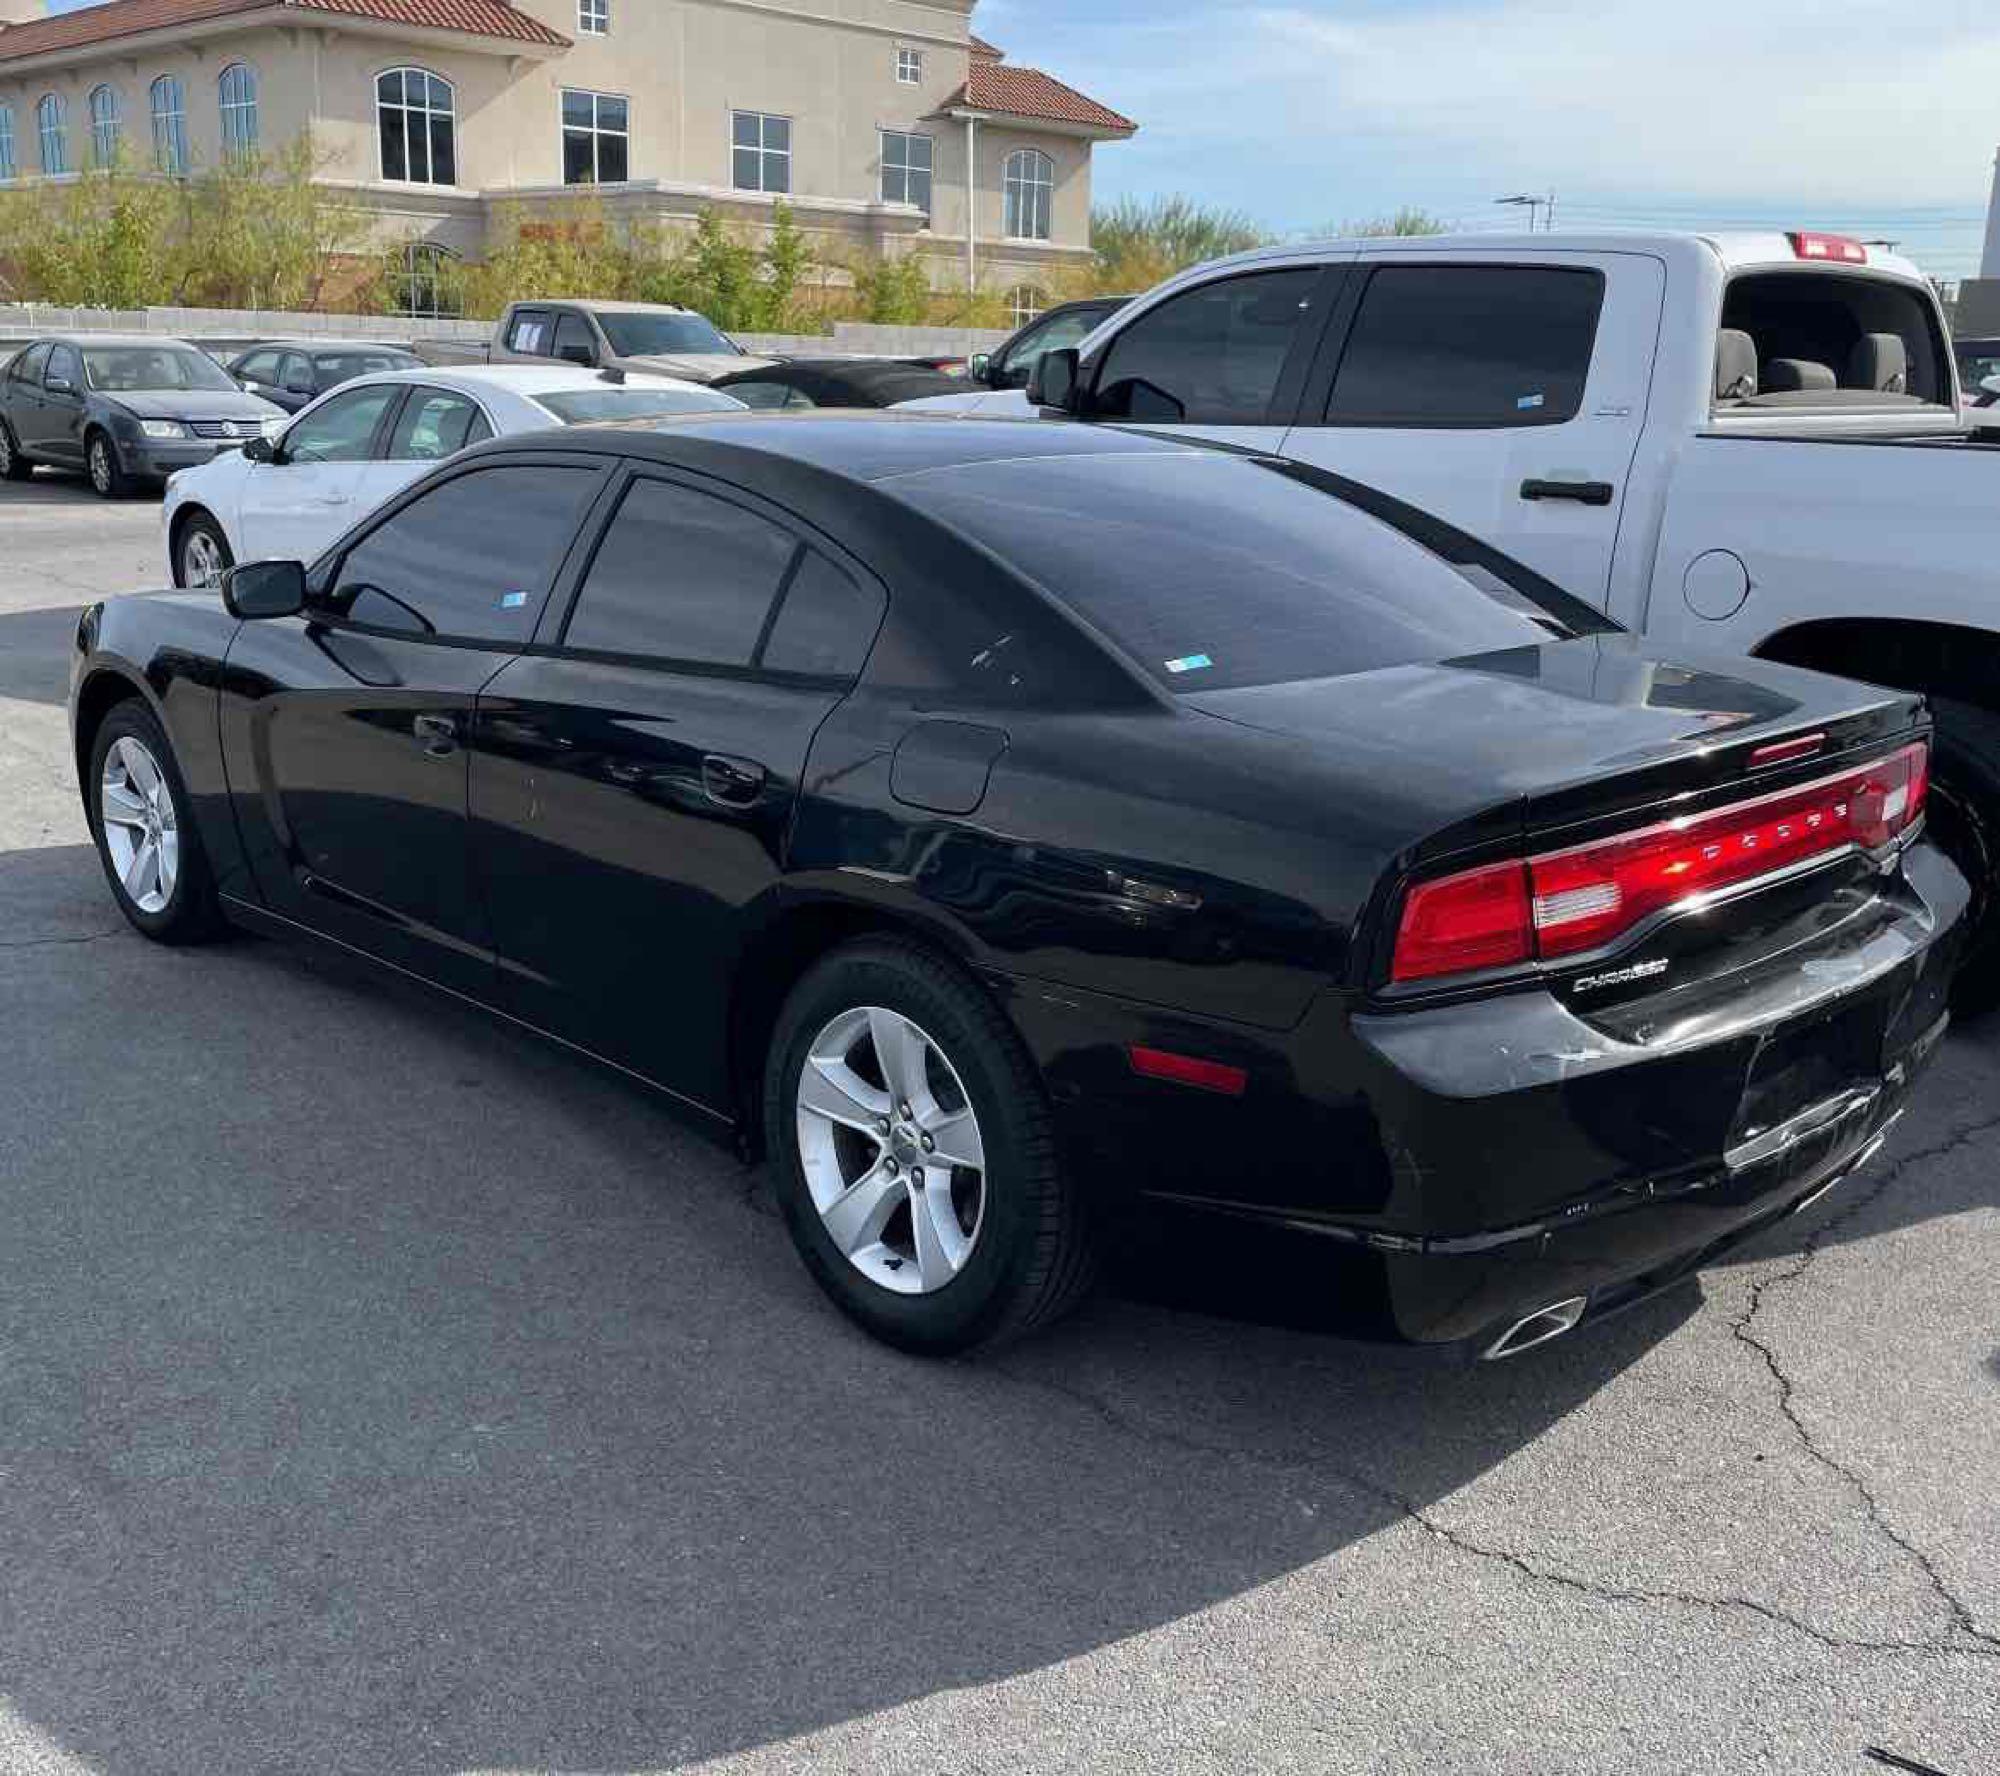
column 383, row 1391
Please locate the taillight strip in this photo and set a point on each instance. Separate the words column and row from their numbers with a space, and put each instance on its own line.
column 1581, row 899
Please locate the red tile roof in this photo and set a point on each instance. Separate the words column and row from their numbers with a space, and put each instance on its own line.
column 980, row 47
column 1028, row 92
column 127, row 18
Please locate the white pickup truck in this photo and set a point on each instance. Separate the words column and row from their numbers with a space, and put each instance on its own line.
column 1740, row 443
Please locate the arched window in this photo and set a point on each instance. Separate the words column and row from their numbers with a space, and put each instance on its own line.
column 8, row 170
column 1025, row 302
column 103, row 127
column 238, row 91
column 1031, row 192
column 413, row 110
column 52, row 126
column 426, row 284
column 170, row 142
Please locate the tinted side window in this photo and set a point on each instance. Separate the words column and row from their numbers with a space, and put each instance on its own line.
column 1212, row 356
column 1469, row 345
column 1056, row 333
column 573, row 339
column 343, row 430
column 473, row 558
column 681, row 575
column 530, row 333
column 435, row 423
column 65, row 365
column 261, row 366
column 29, row 365
column 296, row 373
column 826, row 625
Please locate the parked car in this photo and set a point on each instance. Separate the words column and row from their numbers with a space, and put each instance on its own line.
column 803, row 383
column 640, row 336
column 1747, row 444
column 1013, row 364
column 1018, row 826
column 122, row 409
column 1978, row 366
column 293, row 494
column 292, row 372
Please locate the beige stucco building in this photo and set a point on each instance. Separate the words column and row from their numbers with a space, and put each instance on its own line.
column 882, row 123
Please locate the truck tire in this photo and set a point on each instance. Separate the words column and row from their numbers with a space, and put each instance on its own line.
column 1965, row 822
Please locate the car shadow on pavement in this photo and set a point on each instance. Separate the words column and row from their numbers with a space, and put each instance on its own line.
column 388, row 1390
column 61, row 487
column 34, row 653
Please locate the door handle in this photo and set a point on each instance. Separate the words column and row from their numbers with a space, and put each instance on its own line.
column 439, row 733
column 1585, row 493
column 733, row 782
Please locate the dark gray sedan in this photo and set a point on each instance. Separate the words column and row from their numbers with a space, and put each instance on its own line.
column 293, row 373
column 122, row 409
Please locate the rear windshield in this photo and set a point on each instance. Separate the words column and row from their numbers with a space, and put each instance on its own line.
column 583, row 406
column 1821, row 339
column 1216, row 572
column 336, row 367
column 663, row 335
column 134, row 367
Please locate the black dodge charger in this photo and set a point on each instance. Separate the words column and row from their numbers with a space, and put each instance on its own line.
column 1031, row 836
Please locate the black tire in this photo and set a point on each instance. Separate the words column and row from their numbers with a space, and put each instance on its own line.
column 199, row 523
column 1965, row 821
column 102, row 468
column 13, row 465
column 191, row 913
column 1031, row 1261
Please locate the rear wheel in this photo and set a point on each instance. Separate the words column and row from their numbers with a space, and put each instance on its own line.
column 201, row 553
column 146, row 838
column 916, row 1164
column 13, row 465
column 107, row 476
column 1965, row 822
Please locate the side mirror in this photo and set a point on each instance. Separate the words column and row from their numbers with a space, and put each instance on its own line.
column 1056, row 380
column 980, row 368
column 59, row 385
column 261, row 589
column 299, row 388
column 260, row 450
column 578, row 354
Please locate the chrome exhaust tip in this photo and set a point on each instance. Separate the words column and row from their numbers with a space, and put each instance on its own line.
column 1542, row 1326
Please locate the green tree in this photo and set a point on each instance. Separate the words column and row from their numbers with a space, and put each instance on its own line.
column 1406, row 221
column 1138, row 243
column 892, row 289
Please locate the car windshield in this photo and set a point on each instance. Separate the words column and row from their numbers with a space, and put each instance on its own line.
column 132, row 367
column 1217, row 572
column 1974, row 367
column 586, row 406
column 345, row 366
column 663, row 335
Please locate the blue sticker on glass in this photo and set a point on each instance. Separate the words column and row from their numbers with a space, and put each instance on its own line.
column 513, row 601
column 1189, row 663
column 1527, row 403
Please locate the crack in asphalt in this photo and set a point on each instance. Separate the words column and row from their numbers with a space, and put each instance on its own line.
column 1457, row 1540
column 1963, row 1620
column 43, row 943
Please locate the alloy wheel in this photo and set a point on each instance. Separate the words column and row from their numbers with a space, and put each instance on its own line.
column 141, row 827
column 201, row 559
column 891, row 1150
column 6, row 455
column 100, row 465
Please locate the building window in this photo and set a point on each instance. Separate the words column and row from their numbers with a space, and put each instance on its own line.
column 103, row 127
column 8, row 171
column 597, row 139
column 910, row 66
column 1031, row 190
column 52, row 126
column 906, row 170
column 593, row 17
column 763, row 151
column 413, row 113
column 1025, row 302
column 238, row 91
column 424, row 288
column 170, row 142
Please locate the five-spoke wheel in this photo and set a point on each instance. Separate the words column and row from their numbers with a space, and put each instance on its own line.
column 150, row 846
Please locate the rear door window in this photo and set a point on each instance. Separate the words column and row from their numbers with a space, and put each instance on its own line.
column 471, row 559
column 436, row 423
column 1212, row 355
column 827, row 623
column 531, row 333
column 1469, row 346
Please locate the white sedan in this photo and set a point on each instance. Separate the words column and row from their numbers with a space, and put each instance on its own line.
column 286, row 498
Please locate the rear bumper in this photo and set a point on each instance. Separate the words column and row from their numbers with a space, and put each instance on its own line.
column 1432, row 1178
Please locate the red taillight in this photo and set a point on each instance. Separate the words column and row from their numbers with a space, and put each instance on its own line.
column 1835, row 249
column 1568, row 902
column 1180, row 1069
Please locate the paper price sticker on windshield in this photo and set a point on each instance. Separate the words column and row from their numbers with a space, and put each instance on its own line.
column 1190, row 663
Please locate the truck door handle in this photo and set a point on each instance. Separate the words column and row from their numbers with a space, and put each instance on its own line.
column 439, row 733
column 1585, row 493
column 733, row 782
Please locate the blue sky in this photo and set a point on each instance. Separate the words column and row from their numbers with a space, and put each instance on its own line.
column 1880, row 117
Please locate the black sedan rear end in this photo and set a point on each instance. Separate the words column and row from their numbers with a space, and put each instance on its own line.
column 1043, row 837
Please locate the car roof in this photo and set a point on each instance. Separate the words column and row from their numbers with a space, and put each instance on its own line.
column 325, row 345
column 80, row 340
column 861, row 446
column 600, row 305
column 523, row 379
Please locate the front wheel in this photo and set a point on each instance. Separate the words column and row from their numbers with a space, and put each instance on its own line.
column 107, row 476
column 917, row 1167
column 201, row 554
column 146, row 836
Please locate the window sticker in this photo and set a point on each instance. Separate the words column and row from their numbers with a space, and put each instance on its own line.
column 513, row 601
column 1528, row 403
column 1190, row 663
